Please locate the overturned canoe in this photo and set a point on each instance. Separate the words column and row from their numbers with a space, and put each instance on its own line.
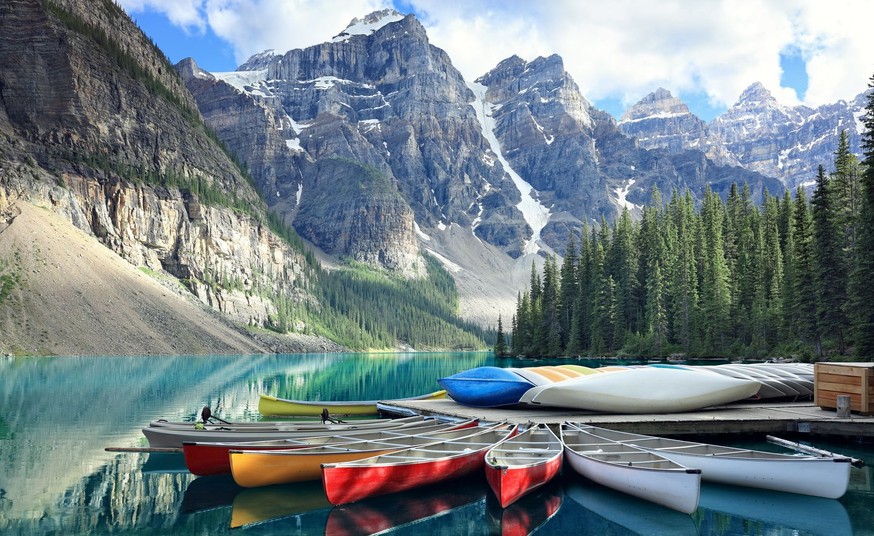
column 275, row 406
column 643, row 390
column 486, row 387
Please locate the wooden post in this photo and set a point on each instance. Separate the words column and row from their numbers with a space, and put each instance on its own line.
column 843, row 409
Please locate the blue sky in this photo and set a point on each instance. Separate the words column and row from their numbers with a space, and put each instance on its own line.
column 617, row 51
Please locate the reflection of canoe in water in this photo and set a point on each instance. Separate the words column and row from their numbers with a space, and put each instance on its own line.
column 809, row 475
column 208, row 493
column 258, row 505
column 212, row 458
column 523, row 463
column 271, row 405
column 785, row 512
column 392, row 512
column 164, row 462
column 528, row 514
column 631, row 470
column 603, row 504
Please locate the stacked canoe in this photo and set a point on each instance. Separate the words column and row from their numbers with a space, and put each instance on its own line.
column 632, row 389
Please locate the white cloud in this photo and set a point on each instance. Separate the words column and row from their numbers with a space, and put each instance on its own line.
column 617, row 49
column 252, row 26
column 183, row 13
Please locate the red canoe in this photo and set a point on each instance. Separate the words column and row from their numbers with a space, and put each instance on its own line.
column 389, row 473
column 524, row 463
column 212, row 458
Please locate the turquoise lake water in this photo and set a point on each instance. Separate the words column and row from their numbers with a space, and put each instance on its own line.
column 57, row 415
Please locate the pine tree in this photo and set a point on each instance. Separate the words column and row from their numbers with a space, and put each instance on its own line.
column 715, row 298
column 500, row 343
column 804, row 288
column 684, row 282
column 863, row 272
column 831, row 281
column 569, row 290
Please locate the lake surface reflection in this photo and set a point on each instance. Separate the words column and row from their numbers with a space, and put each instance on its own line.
column 57, row 415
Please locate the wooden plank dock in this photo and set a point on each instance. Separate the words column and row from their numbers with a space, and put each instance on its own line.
column 752, row 418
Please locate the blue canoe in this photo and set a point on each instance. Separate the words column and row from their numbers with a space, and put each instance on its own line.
column 485, row 387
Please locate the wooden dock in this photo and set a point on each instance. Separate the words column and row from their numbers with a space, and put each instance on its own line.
column 757, row 418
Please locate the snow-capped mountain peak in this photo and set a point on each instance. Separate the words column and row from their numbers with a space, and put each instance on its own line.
column 368, row 24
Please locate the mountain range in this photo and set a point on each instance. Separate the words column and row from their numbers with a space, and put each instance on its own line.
column 371, row 146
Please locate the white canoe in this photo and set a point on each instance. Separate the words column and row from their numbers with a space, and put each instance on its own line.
column 643, row 390
column 632, row 470
column 275, row 425
column 820, row 476
column 159, row 436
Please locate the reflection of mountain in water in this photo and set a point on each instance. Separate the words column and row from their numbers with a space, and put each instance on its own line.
column 61, row 413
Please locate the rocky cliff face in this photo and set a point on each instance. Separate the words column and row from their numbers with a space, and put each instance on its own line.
column 582, row 166
column 757, row 132
column 385, row 99
column 519, row 157
column 96, row 125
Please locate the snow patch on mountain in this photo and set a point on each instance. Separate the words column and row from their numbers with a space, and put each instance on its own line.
column 369, row 24
column 241, row 80
column 536, row 215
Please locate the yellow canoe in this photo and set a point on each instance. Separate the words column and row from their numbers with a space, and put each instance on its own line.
column 271, row 405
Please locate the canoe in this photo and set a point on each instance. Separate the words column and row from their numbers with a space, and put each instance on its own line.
column 523, row 463
column 819, row 476
column 253, row 468
column 211, row 458
column 411, row 468
column 485, row 387
column 643, row 390
column 271, row 405
column 175, row 437
column 632, row 470
column 313, row 424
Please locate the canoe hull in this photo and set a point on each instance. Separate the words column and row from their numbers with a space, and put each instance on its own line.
column 486, row 387
column 275, row 406
column 644, row 390
column 523, row 463
column 175, row 437
column 678, row 490
column 251, row 469
column 807, row 475
column 819, row 477
column 512, row 483
column 349, row 484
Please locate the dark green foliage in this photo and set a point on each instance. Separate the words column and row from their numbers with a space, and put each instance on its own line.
column 862, row 280
column 500, row 343
column 732, row 279
column 363, row 308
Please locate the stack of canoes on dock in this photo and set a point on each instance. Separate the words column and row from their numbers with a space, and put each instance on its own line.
column 632, row 389
column 357, row 463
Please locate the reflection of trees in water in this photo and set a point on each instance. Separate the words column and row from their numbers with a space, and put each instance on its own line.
column 59, row 414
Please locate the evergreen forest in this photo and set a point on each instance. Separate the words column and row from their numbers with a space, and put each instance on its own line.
column 792, row 277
